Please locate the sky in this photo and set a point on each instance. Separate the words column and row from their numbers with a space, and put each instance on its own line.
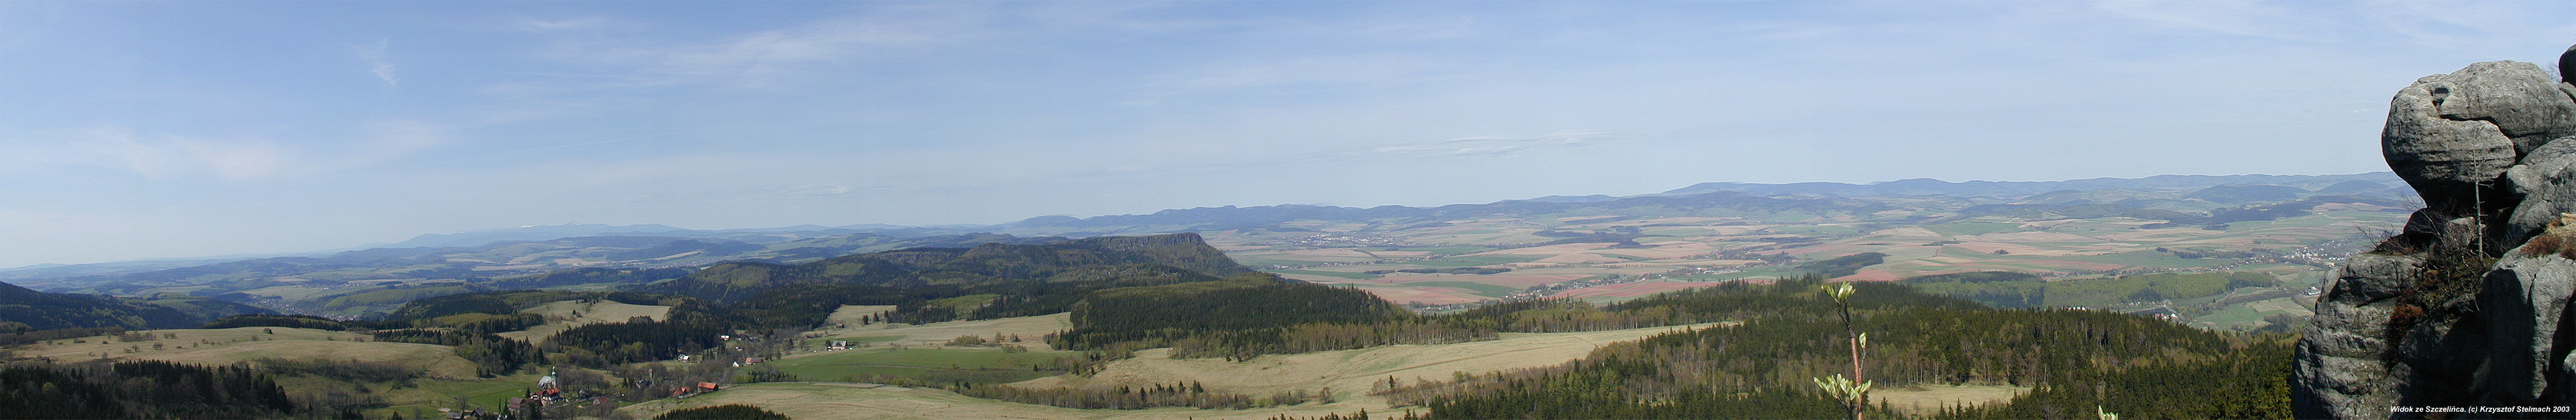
column 132, row 130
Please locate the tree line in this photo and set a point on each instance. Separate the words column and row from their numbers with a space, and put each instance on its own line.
column 1191, row 394
column 139, row 389
column 1763, row 367
column 492, row 355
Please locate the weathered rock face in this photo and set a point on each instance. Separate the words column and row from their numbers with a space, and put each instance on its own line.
column 2339, row 374
column 2523, row 302
column 2464, row 308
column 2447, row 134
column 2518, row 98
column 2546, row 181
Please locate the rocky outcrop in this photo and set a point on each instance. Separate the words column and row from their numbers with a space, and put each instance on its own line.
column 2464, row 307
column 2446, row 160
column 2524, row 301
column 2339, row 359
column 2546, row 184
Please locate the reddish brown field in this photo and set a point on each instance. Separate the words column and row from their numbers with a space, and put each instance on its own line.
column 1424, row 294
column 1518, row 281
column 1630, row 289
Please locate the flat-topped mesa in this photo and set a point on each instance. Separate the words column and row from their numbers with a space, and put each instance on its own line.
column 2463, row 308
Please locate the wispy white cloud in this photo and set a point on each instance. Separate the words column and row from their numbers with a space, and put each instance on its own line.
column 1336, row 69
column 166, row 157
column 813, row 189
column 374, row 55
column 2240, row 18
column 532, row 24
column 179, row 157
column 1499, row 146
column 769, row 56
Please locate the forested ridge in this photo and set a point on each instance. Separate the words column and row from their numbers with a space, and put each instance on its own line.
column 1248, row 316
column 1765, row 366
column 2005, row 289
column 1125, row 294
column 983, row 265
column 924, row 284
column 23, row 310
column 139, row 389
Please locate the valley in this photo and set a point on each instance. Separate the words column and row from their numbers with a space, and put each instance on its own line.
column 1260, row 312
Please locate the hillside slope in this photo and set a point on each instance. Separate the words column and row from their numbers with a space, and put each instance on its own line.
column 989, row 264
column 22, row 309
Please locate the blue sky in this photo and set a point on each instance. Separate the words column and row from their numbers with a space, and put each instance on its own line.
column 171, row 129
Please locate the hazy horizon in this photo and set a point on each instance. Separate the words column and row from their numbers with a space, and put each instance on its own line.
column 1000, row 222
column 144, row 130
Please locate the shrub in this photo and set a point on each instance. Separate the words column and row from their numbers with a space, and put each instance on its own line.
column 2542, row 244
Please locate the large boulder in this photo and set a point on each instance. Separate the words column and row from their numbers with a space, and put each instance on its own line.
column 2339, row 373
column 2546, row 183
column 2518, row 98
column 2450, row 135
column 2522, row 304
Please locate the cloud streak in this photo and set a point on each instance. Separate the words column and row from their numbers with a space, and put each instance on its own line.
column 1560, row 142
column 374, row 56
column 769, row 57
column 168, row 157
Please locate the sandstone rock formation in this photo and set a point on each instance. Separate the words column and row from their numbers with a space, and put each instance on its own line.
column 2464, row 307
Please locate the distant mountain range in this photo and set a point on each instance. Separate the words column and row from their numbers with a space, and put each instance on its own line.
column 2381, row 184
column 359, row 281
column 2375, row 183
column 2189, row 194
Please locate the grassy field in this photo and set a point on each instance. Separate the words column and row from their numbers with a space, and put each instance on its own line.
column 1972, row 228
column 1815, row 230
column 865, row 401
column 1250, row 260
column 1470, row 261
column 1029, row 328
column 1338, row 274
column 944, row 357
column 1347, row 372
column 1486, row 290
column 231, row 345
column 942, row 365
column 563, row 315
column 1449, row 250
column 1930, row 399
column 2250, row 315
column 435, row 393
column 851, row 314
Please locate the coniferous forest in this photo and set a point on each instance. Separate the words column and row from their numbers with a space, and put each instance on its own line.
column 1756, row 352
column 1765, row 366
column 139, row 389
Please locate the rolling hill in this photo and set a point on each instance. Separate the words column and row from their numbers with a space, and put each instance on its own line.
column 22, row 310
